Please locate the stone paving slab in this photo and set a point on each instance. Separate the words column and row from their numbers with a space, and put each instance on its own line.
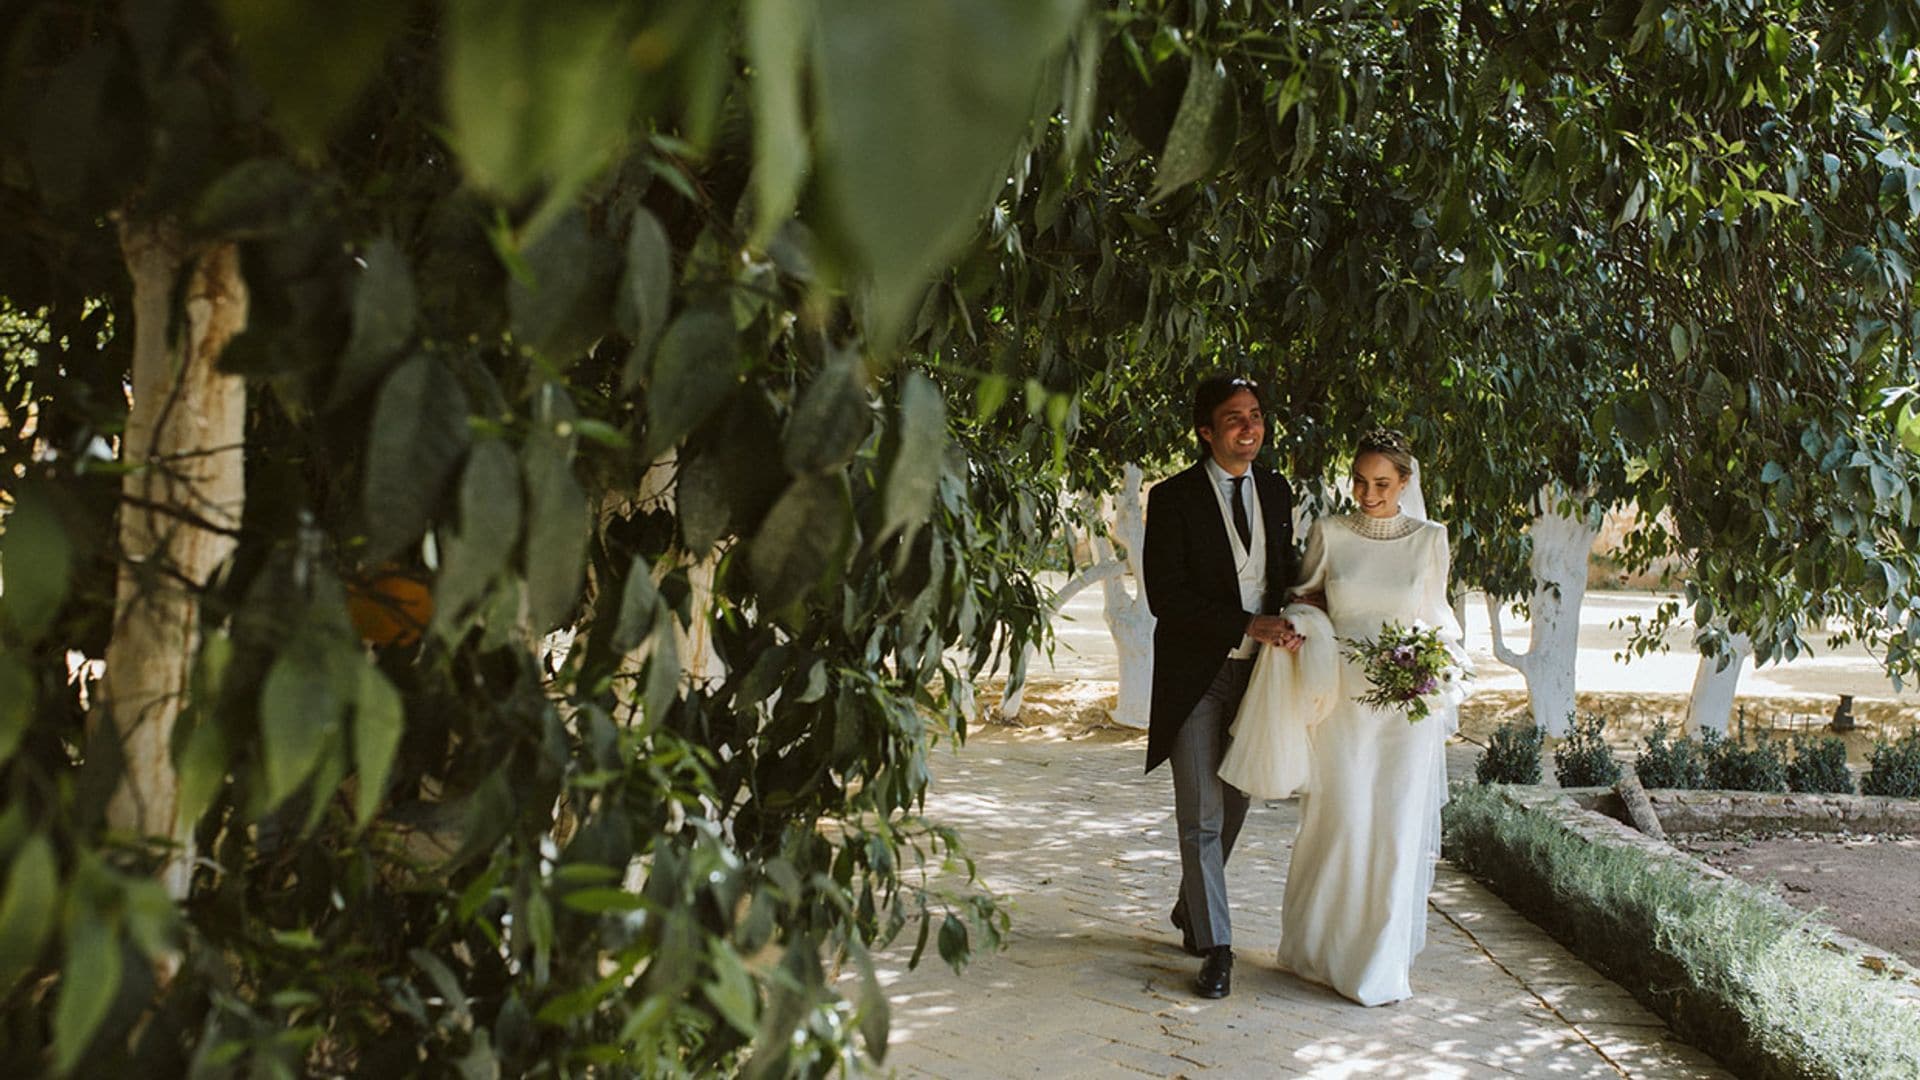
column 1080, row 847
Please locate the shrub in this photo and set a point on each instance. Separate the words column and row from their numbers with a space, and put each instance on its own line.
column 1733, row 767
column 1820, row 765
column 1735, row 973
column 1894, row 768
column 1585, row 759
column 1668, row 762
column 1512, row 756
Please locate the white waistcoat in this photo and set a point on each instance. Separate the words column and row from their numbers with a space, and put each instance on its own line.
column 1249, row 560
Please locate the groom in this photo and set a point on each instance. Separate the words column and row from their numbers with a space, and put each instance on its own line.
column 1219, row 555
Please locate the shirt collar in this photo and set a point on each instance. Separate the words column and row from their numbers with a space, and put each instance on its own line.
column 1220, row 475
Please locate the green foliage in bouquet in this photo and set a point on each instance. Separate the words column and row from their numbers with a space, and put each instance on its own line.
column 1406, row 666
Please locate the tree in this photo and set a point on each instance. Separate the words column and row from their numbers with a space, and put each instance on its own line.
column 510, row 265
column 1521, row 248
column 504, row 267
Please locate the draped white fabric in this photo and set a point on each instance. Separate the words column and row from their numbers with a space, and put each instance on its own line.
column 1287, row 694
column 1354, row 912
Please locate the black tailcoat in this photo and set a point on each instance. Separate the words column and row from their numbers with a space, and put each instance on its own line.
column 1194, row 592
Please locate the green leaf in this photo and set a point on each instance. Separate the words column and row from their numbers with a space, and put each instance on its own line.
column 700, row 497
column 602, row 899
column 874, row 1011
column 802, row 542
column 89, row 981
column 731, row 989
column 1633, row 417
column 299, row 940
column 299, row 709
column 18, row 698
column 832, row 417
column 953, row 943
column 379, row 719
column 697, row 365
column 258, row 197
column 562, row 305
column 35, row 563
column 1677, row 339
column 538, row 90
column 920, row 109
column 1630, row 209
column 203, row 769
column 1196, row 142
column 1908, row 426
column 384, row 305
column 558, row 528
column 640, row 307
column 312, row 59
column 919, row 457
column 1772, row 473
column 27, row 909
column 1779, row 43
column 490, row 511
column 663, row 673
column 419, row 436
column 639, row 608
column 777, row 34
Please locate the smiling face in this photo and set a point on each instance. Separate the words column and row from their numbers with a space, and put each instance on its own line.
column 1237, row 432
column 1377, row 485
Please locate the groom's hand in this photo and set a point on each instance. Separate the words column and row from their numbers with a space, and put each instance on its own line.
column 1274, row 630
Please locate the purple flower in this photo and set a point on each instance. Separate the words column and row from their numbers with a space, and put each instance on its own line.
column 1427, row 686
column 1403, row 655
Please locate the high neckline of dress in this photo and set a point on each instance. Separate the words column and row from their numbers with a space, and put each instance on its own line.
column 1374, row 528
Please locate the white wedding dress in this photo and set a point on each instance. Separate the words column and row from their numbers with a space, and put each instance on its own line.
column 1354, row 914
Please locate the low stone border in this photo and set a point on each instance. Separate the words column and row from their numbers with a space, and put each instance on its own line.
column 1699, row 811
column 1597, row 814
column 1630, row 904
column 1707, row 811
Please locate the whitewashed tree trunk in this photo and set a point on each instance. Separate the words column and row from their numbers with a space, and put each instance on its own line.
column 179, row 516
column 1710, row 706
column 1128, row 617
column 1560, row 548
column 1016, row 695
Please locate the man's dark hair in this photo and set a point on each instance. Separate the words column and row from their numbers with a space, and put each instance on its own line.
column 1207, row 397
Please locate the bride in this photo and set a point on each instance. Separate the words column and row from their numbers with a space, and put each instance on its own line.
column 1354, row 913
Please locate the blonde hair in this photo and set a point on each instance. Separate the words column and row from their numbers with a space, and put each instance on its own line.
column 1389, row 444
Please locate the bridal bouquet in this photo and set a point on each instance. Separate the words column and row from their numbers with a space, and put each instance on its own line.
column 1407, row 666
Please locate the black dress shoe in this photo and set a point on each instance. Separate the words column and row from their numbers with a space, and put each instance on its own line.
column 1216, row 975
column 1186, row 932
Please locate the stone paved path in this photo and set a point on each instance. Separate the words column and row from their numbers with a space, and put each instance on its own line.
column 1093, row 983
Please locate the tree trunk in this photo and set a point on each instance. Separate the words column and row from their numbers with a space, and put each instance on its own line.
column 1128, row 617
column 1560, row 548
column 1711, row 705
column 179, row 517
column 1639, row 808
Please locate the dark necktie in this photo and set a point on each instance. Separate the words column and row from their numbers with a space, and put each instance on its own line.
column 1240, row 523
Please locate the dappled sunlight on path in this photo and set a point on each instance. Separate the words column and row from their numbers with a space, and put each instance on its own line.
column 1093, row 983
